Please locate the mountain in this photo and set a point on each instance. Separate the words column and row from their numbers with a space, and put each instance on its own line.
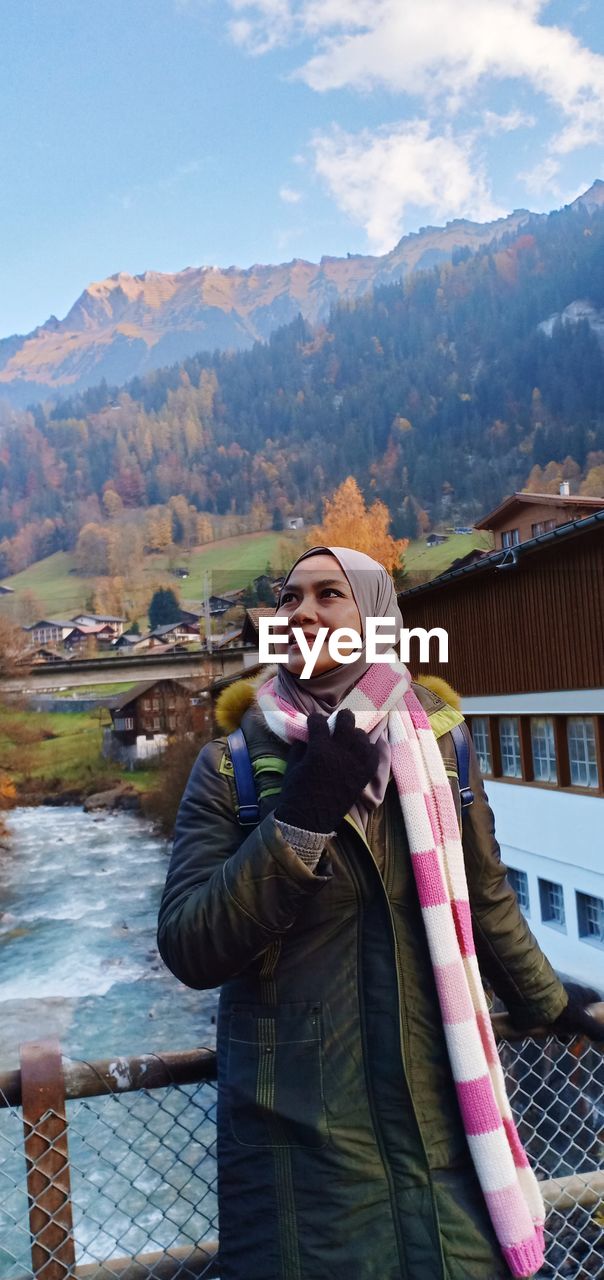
column 127, row 325
column 480, row 376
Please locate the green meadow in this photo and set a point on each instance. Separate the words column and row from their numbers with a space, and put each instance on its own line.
column 231, row 563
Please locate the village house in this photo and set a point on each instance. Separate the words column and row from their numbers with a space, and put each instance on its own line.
column 526, row 655
column 174, row 633
column 47, row 631
column 527, row 515
column 100, row 619
column 128, row 642
column 87, row 639
column 147, row 715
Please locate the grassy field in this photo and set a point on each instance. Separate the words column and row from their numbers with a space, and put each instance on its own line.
column 232, row 563
column 94, row 690
column 430, row 561
column 60, row 751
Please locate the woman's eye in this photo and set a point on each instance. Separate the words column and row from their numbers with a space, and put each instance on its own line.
column 285, row 598
column 331, row 591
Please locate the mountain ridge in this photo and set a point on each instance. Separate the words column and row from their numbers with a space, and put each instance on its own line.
column 128, row 324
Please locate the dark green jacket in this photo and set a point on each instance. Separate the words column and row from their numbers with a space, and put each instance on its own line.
column 341, row 1153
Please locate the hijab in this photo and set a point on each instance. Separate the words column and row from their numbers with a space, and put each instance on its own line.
column 375, row 596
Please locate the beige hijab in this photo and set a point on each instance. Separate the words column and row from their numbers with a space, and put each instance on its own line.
column 375, row 596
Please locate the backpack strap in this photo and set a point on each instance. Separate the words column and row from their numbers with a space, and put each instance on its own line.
column 248, row 809
column 462, row 752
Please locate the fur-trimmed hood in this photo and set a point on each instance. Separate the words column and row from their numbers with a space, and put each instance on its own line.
column 231, row 705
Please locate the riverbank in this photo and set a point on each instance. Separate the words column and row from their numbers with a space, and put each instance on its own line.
column 54, row 758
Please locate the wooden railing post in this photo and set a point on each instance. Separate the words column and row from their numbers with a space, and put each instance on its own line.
column 47, row 1161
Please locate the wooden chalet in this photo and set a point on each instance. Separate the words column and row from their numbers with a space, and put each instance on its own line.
column 525, row 629
column 85, row 638
column 116, row 624
column 174, row 633
column 249, row 630
column 48, row 631
column 523, row 516
column 145, row 716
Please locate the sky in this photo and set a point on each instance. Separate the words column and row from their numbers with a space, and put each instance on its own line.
column 160, row 134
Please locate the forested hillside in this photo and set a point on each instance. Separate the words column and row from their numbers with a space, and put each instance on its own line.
column 440, row 395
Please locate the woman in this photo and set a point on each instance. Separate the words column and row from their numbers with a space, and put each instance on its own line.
column 363, row 1132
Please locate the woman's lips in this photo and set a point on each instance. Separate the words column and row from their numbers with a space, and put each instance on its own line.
column 310, row 639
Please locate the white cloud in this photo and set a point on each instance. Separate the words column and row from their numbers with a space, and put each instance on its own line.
column 289, row 195
column 440, row 49
column 444, row 58
column 493, row 122
column 375, row 176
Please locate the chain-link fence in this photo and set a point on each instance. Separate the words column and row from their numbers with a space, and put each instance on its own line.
column 120, row 1175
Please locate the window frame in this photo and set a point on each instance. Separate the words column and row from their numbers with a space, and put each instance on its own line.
column 486, row 721
column 525, row 906
column 545, row 905
column 549, row 720
column 518, row 777
column 582, row 901
column 513, row 536
column 589, row 787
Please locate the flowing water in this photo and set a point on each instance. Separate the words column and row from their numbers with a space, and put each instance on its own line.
column 79, row 895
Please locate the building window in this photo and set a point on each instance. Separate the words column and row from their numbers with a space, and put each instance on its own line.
column 509, row 738
column 538, row 528
column 156, row 724
column 156, row 704
column 582, row 752
column 552, row 904
column 544, row 749
column 590, row 914
column 510, row 538
column 519, row 883
column 482, row 743
column 549, row 525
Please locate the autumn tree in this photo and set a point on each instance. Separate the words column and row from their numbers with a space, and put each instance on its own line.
column 95, row 550
column 593, row 484
column 348, row 522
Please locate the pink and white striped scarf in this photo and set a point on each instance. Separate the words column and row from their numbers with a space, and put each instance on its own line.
column 509, row 1186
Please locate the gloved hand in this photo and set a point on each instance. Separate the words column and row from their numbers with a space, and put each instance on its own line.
column 575, row 1020
column 325, row 775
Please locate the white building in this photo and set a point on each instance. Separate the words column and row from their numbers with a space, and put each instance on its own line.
column 526, row 653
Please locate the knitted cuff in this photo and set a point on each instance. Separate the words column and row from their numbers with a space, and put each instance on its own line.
column 308, row 845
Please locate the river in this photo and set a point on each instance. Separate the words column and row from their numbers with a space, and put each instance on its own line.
column 78, row 957
column 79, row 895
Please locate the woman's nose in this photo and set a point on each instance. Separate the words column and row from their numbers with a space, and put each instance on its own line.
column 305, row 610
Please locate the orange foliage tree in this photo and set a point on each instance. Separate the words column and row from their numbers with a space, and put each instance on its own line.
column 348, row 522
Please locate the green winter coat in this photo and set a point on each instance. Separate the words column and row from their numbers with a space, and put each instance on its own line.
column 341, row 1154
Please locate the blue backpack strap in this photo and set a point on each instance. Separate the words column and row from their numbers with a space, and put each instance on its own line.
column 248, row 809
column 462, row 752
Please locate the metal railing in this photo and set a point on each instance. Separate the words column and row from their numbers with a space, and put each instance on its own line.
column 108, row 1168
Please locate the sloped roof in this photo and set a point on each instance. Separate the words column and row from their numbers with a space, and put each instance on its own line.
column 540, row 499
column 495, row 559
column 131, row 695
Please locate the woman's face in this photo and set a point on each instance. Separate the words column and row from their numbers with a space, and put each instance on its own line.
column 317, row 594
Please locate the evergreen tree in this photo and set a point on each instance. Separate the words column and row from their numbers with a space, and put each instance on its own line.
column 164, row 608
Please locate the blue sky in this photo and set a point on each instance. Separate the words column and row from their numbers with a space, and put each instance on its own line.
column 159, row 134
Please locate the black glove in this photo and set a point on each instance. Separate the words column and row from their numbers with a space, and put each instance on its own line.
column 575, row 1020
column 325, row 775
